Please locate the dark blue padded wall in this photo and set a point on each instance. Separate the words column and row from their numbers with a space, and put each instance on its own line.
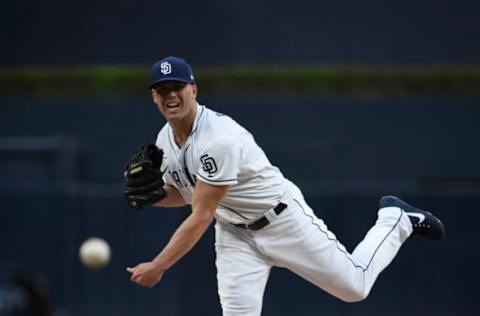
column 403, row 142
column 344, row 153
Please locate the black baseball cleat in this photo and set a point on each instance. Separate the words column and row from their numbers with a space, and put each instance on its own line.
column 423, row 222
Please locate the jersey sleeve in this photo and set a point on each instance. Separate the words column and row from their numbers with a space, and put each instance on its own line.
column 219, row 162
column 161, row 142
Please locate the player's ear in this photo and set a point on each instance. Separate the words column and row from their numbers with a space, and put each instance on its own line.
column 154, row 94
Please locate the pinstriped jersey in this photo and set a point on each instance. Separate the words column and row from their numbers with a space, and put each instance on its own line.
column 219, row 151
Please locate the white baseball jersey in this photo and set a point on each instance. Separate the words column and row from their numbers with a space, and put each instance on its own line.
column 221, row 152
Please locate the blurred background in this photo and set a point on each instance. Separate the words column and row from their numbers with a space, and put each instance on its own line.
column 351, row 99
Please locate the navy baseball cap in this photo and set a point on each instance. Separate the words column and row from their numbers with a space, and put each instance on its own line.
column 171, row 69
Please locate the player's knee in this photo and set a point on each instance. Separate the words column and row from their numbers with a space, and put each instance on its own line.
column 354, row 296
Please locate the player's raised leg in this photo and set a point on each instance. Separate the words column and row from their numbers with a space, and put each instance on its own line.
column 242, row 272
column 324, row 261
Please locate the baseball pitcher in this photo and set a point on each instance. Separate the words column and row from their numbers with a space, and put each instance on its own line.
column 206, row 159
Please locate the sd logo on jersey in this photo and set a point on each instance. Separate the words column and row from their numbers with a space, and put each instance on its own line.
column 208, row 165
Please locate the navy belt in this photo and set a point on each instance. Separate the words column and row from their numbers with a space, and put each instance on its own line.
column 263, row 221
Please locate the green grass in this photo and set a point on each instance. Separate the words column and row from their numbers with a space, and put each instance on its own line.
column 247, row 80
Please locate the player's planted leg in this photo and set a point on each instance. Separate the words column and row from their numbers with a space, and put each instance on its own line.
column 242, row 273
column 424, row 223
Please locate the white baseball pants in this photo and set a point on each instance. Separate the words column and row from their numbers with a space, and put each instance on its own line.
column 299, row 241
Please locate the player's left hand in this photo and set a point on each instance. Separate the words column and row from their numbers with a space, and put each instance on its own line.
column 143, row 177
column 146, row 274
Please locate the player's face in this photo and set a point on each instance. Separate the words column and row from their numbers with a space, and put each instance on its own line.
column 175, row 100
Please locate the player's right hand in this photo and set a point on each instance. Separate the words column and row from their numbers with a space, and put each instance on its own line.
column 146, row 274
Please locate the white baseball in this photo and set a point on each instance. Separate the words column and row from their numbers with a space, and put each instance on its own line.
column 94, row 253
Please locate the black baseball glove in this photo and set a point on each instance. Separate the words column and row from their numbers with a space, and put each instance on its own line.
column 143, row 177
